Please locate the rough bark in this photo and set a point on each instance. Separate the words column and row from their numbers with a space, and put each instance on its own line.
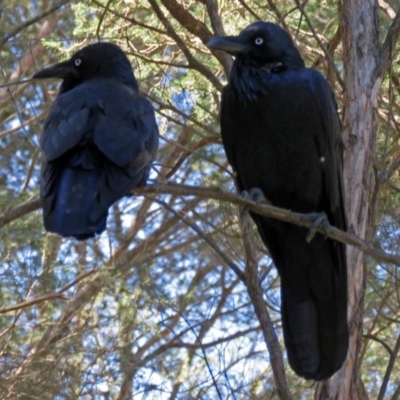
column 359, row 26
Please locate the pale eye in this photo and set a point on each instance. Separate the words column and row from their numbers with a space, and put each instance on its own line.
column 259, row 41
column 78, row 62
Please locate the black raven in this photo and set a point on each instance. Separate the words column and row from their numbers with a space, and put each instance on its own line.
column 281, row 134
column 98, row 142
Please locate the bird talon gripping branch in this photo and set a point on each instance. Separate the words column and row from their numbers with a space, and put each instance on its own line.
column 319, row 220
column 257, row 195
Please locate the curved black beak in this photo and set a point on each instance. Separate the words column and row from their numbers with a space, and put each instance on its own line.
column 230, row 44
column 60, row 70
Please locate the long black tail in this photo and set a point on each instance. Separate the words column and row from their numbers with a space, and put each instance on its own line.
column 315, row 328
column 313, row 297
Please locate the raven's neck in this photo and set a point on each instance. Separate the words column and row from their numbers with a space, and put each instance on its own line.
column 250, row 80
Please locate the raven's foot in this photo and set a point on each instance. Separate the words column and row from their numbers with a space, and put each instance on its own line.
column 257, row 195
column 319, row 220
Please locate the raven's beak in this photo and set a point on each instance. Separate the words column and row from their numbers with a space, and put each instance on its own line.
column 231, row 44
column 60, row 70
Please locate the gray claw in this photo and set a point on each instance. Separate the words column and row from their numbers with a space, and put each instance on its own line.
column 255, row 194
column 320, row 220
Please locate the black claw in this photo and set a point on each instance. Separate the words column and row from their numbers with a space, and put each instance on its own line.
column 258, row 196
column 319, row 220
column 255, row 194
column 245, row 194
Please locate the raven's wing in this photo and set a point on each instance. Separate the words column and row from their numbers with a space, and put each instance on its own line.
column 127, row 134
column 65, row 126
column 330, row 145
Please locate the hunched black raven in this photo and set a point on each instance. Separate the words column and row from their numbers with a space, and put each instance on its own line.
column 282, row 135
column 98, row 142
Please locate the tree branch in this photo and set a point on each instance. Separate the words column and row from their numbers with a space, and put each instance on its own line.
column 53, row 296
column 197, row 28
column 321, row 45
column 388, row 45
column 31, row 21
column 193, row 63
column 389, row 369
column 218, row 28
column 218, row 194
column 19, row 211
column 272, row 212
column 257, row 298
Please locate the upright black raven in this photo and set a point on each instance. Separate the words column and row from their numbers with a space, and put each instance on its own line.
column 281, row 134
column 98, row 142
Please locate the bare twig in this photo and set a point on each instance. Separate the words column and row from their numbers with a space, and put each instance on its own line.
column 4, row 85
column 396, row 394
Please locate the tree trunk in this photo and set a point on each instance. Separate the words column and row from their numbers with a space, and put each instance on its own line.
column 359, row 25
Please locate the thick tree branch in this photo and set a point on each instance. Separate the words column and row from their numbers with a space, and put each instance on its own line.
column 186, row 19
column 386, row 8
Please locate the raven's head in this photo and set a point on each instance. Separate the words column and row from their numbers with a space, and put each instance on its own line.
column 261, row 44
column 98, row 60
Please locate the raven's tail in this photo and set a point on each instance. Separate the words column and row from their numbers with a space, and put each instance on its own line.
column 315, row 325
column 313, row 297
column 72, row 211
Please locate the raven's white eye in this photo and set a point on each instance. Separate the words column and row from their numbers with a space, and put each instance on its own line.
column 78, row 62
column 259, row 41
